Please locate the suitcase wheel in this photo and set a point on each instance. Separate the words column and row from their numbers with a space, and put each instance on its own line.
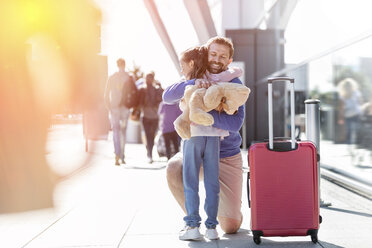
column 257, row 236
column 257, row 239
column 320, row 219
column 314, row 235
column 314, row 238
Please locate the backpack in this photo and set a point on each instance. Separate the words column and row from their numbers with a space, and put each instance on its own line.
column 152, row 97
column 129, row 97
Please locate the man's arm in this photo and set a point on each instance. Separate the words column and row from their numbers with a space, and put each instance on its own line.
column 174, row 93
column 231, row 123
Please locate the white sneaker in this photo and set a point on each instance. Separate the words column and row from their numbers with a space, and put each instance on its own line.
column 149, row 160
column 211, row 233
column 190, row 233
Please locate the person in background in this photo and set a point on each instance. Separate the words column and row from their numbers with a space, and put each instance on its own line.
column 349, row 108
column 150, row 96
column 168, row 113
column 367, row 108
column 119, row 114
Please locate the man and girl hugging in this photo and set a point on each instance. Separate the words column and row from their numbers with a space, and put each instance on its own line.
column 215, row 148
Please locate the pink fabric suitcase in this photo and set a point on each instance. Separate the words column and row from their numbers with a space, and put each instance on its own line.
column 283, row 183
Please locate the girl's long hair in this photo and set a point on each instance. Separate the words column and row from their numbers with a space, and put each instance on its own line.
column 199, row 55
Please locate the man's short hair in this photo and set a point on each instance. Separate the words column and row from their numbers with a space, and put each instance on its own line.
column 222, row 41
column 150, row 74
column 120, row 62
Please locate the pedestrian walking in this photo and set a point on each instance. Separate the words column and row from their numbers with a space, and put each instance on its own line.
column 119, row 113
column 150, row 96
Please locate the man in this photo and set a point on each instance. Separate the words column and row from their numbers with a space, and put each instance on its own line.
column 119, row 113
column 220, row 52
column 150, row 97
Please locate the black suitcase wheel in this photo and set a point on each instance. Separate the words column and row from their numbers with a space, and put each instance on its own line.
column 257, row 239
column 320, row 219
column 314, row 238
column 314, row 235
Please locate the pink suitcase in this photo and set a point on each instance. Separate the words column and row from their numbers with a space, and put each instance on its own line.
column 283, row 183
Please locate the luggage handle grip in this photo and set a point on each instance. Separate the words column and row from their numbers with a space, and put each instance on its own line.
column 271, row 80
column 270, row 106
column 281, row 139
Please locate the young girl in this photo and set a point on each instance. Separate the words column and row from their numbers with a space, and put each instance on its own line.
column 202, row 149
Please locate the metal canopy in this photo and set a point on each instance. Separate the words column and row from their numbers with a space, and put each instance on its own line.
column 276, row 16
column 279, row 14
column 201, row 18
column 162, row 31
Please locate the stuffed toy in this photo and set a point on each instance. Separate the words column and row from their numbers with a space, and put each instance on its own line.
column 197, row 102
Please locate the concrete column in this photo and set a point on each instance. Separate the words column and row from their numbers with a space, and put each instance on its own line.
column 241, row 14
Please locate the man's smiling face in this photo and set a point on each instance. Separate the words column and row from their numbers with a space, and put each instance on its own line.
column 218, row 58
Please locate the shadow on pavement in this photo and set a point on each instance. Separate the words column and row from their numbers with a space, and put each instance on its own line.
column 239, row 240
column 244, row 239
column 329, row 245
column 291, row 244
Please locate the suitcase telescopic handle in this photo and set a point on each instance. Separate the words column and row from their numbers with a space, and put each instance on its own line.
column 270, row 104
column 271, row 80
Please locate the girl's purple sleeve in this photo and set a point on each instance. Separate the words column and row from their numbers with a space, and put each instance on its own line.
column 175, row 92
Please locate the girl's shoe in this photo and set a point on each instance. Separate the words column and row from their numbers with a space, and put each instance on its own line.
column 190, row 233
column 211, row 234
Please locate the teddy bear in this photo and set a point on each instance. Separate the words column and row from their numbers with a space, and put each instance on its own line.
column 197, row 102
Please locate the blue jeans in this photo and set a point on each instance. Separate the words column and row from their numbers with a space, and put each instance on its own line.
column 352, row 126
column 196, row 150
column 119, row 123
column 171, row 138
column 150, row 126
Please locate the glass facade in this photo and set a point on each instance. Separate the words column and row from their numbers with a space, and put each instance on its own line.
column 342, row 81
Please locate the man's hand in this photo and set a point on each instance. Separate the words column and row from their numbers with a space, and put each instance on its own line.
column 203, row 83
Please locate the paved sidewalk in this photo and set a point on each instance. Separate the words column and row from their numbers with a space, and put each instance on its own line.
column 130, row 206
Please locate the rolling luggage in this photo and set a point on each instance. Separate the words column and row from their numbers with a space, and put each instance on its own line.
column 283, row 183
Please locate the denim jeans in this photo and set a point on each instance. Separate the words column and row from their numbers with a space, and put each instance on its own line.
column 119, row 123
column 196, row 150
column 150, row 126
column 352, row 126
column 171, row 138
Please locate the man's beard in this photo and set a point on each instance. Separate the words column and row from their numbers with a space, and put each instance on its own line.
column 215, row 67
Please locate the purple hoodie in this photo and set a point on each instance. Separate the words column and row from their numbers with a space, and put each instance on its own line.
column 168, row 113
